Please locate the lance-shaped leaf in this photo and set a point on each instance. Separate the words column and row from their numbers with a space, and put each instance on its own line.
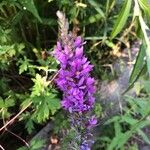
column 30, row 6
column 122, row 18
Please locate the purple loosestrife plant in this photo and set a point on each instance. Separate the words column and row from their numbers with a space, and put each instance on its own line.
column 77, row 85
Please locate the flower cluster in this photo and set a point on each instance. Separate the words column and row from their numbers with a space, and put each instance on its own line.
column 77, row 85
column 74, row 77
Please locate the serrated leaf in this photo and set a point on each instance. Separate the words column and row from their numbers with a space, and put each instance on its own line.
column 40, row 83
column 46, row 105
column 122, row 18
column 30, row 6
column 29, row 126
column 37, row 144
column 24, row 65
column 25, row 103
column 9, row 102
column 54, row 104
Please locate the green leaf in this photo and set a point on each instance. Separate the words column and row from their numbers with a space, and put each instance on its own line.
column 147, row 86
column 29, row 126
column 145, row 7
column 9, row 102
column 138, row 64
column 113, row 119
column 2, row 104
column 98, row 109
column 23, row 148
column 30, row 6
column 117, row 127
column 137, row 77
column 122, row 139
column 92, row 19
column 129, row 120
column 40, row 84
column 122, row 18
column 145, row 31
column 144, row 136
column 54, row 104
column 24, row 65
column 46, row 105
column 97, row 7
column 50, row 22
column 116, row 140
column 37, row 144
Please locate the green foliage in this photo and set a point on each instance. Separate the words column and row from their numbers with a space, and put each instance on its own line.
column 35, row 144
column 68, row 139
column 60, row 122
column 25, row 63
column 30, row 6
column 98, row 110
column 45, row 105
column 5, row 105
column 138, row 64
column 122, row 18
column 131, row 123
column 28, row 32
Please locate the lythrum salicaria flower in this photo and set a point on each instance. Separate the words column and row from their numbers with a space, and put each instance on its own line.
column 74, row 78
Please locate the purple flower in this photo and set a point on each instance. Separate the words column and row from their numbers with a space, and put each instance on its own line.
column 92, row 122
column 78, row 41
column 75, row 81
column 85, row 147
column 74, row 77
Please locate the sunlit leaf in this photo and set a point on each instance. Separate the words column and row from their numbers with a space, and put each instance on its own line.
column 122, row 18
column 145, row 5
column 138, row 64
column 146, row 31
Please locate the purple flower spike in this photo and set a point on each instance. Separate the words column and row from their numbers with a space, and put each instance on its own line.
column 76, row 83
column 74, row 78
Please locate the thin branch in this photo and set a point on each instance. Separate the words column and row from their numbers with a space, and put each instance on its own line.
column 2, row 147
column 54, row 76
column 20, row 138
column 10, row 121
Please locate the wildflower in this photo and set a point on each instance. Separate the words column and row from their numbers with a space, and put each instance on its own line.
column 74, row 80
column 74, row 77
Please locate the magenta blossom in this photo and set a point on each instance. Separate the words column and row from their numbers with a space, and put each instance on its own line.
column 77, row 85
column 74, row 77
